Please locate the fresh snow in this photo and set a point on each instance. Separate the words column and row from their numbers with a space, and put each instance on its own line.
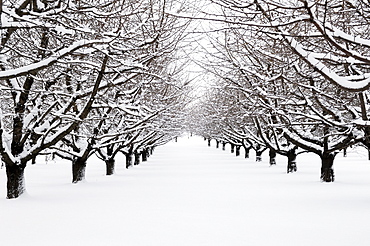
column 311, row 58
column 190, row 194
column 15, row 72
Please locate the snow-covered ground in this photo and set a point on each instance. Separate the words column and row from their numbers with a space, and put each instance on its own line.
column 190, row 194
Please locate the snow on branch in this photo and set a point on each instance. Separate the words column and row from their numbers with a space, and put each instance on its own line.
column 353, row 83
column 21, row 71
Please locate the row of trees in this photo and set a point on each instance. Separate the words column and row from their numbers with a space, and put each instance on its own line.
column 102, row 77
column 87, row 77
column 289, row 75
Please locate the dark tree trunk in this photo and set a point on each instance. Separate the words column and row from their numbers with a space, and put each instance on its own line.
column 345, row 152
column 209, row 142
column 78, row 169
column 259, row 155
column 232, row 148
column 128, row 160
column 272, row 154
column 217, row 144
column 237, row 150
column 15, row 171
column 259, row 151
column 110, row 164
column 292, row 164
column 223, row 145
column 144, row 155
column 327, row 172
column 175, row 139
column 137, row 158
column 15, row 180
column 247, row 151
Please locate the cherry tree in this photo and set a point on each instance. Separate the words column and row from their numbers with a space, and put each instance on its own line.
column 331, row 38
column 294, row 104
column 57, row 58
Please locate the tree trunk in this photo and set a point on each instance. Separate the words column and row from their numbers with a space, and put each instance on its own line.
column 15, row 180
column 327, row 172
column 237, row 150
column 292, row 165
column 144, row 155
column 217, row 144
column 272, row 155
column 110, row 163
column 223, row 145
column 78, row 169
column 137, row 158
column 345, row 152
column 259, row 155
column 209, row 142
column 232, row 148
column 247, row 152
column 128, row 160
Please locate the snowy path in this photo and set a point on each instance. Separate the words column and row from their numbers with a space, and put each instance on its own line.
column 189, row 194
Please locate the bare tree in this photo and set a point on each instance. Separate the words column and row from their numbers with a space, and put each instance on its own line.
column 291, row 102
column 58, row 57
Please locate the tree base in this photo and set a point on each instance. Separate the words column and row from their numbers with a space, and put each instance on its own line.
column 327, row 172
column 137, row 158
column 327, row 175
column 15, row 181
column 292, row 167
column 110, row 166
column 144, row 155
column 128, row 160
column 78, row 170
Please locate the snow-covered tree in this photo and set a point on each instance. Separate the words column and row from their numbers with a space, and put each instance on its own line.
column 58, row 58
column 293, row 100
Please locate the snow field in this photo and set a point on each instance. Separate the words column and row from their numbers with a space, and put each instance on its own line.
column 190, row 194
